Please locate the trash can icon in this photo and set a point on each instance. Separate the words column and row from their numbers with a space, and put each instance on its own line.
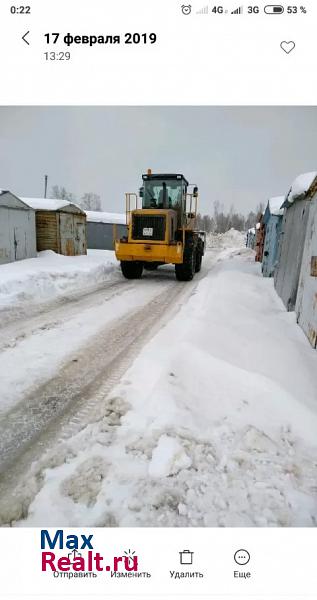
column 186, row 557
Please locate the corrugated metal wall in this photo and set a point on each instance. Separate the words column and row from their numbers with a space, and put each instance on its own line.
column 272, row 233
column 306, row 305
column 100, row 235
column 290, row 252
column 17, row 234
column 64, row 233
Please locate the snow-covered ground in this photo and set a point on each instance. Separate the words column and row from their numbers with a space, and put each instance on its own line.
column 35, row 349
column 214, row 424
column 49, row 275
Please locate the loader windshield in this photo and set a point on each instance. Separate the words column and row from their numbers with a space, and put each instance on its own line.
column 163, row 194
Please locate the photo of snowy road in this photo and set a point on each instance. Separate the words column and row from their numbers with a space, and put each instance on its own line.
column 154, row 402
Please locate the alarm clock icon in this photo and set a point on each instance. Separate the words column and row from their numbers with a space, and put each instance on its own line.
column 186, row 9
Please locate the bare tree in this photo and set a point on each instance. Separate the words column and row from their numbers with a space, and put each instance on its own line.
column 90, row 201
column 260, row 208
column 250, row 220
column 60, row 193
column 223, row 221
column 205, row 223
column 208, row 223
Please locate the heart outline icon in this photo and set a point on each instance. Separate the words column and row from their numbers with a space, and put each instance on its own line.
column 287, row 46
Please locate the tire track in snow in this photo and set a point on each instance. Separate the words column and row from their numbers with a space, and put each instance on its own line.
column 34, row 319
column 65, row 404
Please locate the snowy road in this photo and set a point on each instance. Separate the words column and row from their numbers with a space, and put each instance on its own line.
column 58, row 359
column 105, row 356
column 161, row 403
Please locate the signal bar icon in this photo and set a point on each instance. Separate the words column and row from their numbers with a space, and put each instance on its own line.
column 203, row 11
column 237, row 11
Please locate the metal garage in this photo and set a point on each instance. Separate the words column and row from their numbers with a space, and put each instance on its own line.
column 259, row 239
column 250, row 239
column 17, row 229
column 306, row 304
column 292, row 238
column 60, row 226
column 103, row 228
column 273, row 222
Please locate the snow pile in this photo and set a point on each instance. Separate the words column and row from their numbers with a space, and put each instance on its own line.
column 301, row 185
column 229, row 239
column 94, row 216
column 275, row 204
column 228, row 244
column 50, row 275
column 213, row 425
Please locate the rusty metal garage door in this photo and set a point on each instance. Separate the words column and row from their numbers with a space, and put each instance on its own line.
column 66, row 224
column 80, row 237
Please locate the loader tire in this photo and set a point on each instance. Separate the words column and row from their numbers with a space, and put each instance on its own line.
column 131, row 269
column 198, row 261
column 186, row 271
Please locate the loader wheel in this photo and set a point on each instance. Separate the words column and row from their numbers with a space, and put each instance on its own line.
column 199, row 258
column 131, row 269
column 186, row 271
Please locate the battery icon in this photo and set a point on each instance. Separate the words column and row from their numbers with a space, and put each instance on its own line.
column 273, row 9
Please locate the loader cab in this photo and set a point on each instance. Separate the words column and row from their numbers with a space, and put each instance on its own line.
column 164, row 191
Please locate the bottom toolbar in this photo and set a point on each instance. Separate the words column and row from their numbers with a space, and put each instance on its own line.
column 159, row 563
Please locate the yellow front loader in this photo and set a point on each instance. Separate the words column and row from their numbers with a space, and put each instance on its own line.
column 163, row 229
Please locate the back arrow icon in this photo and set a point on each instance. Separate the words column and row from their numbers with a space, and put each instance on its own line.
column 24, row 36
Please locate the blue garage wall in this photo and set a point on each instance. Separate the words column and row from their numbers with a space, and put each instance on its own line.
column 272, row 233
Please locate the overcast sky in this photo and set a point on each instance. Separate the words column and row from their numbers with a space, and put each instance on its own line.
column 238, row 156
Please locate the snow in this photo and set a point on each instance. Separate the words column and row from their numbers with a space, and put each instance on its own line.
column 229, row 239
column 47, row 203
column 301, row 185
column 214, row 424
column 32, row 358
column 275, row 204
column 168, row 458
column 105, row 217
column 49, row 275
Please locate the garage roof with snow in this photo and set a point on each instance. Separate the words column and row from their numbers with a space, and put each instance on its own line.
column 53, row 204
column 300, row 187
column 94, row 216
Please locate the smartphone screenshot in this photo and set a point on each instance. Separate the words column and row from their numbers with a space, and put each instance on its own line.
column 158, row 300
